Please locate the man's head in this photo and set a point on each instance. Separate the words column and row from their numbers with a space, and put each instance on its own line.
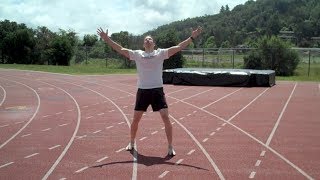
column 148, row 43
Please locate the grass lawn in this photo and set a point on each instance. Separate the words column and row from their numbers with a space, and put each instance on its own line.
column 96, row 66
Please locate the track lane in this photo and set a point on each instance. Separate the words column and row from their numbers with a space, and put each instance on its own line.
column 37, row 138
column 253, row 138
column 297, row 135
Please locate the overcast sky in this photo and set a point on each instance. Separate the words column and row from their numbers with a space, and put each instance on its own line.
column 85, row 16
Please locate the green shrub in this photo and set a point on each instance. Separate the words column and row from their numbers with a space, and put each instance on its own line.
column 273, row 53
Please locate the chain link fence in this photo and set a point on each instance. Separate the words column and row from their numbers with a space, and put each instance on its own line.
column 234, row 58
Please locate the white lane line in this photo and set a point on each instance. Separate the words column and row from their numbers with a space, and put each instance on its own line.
column 279, row 118
column 89, row 117
column 120, row 123
column 71, row 139
column 46, row 129
column 111, row 111
column 245, row 107
column 26, row 135
column 179, row 161
column 59, row 113
column 252, row 174
column 215, row 167
column 85, row 106
column 7, row 164
column 263, row 153
column 142, row 138
column 154, row 132
column 109, row 127
column 190, row 152
column 252, row 137
column 96, row 132
column 204, row 140
column 82, row 169
column 120, row 150
column 19, row 122
column 221, row 98
column 100, row 114
column 63, row 124
column 70, row 110
column 80, row 137
column 258, row 163
column 31, row 155
column 54, row 147
column 164, row 174
column 197, row 94
column 224, row 124
column 211, row 134
column 125, row 107
column 4, row 95
column 194, row 112
column 102, row 159
column 62, row 178
column 181, row 118
column 4, row 125
column 46, row 116
column 178, row 90
column 95, row 104
column 29, row 121
column 163, row 127
column 218, row 129
column 135, row 154
column 173, row 122
column 188, row 114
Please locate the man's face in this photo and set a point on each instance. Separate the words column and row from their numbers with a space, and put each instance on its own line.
column 148, row 42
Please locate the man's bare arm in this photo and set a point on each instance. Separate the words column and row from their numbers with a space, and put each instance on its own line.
column 173, row 50
column 117, row 47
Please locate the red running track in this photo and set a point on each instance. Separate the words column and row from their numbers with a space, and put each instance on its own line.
column 55, row 126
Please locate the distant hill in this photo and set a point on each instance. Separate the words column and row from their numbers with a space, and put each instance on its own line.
column 296, row 20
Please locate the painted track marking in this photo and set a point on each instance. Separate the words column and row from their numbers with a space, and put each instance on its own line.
column 7, row 164
column 82, row 169
column 190, row 152
column 280, row 116
column 164, row 174
column 71, row 139
column 31, row 155
column 215, row 167
column 102, row 159
column 54, row 147
column 249, row 135
column 4, row 95
column 221, row 98
column 29, row 121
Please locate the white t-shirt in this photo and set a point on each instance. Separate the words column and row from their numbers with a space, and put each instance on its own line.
column 149, row 67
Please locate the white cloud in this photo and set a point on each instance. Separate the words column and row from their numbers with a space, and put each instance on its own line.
column 85, row 16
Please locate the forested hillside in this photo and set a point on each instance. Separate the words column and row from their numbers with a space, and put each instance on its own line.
column 298, row 20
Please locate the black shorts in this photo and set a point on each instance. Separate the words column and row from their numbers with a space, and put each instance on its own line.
column 154, row 96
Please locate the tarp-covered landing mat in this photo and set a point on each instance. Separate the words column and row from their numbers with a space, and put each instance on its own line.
column 219, row 77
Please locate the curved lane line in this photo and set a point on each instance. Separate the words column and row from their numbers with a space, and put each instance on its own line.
column 30, row 120
column 190, row 134
column 72, row 138
column 4, row 95
column 252, row 137
column 236, row 127
column 135, row 155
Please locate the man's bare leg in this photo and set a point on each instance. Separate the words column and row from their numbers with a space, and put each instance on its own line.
column 168, row 128
column 134, row 128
